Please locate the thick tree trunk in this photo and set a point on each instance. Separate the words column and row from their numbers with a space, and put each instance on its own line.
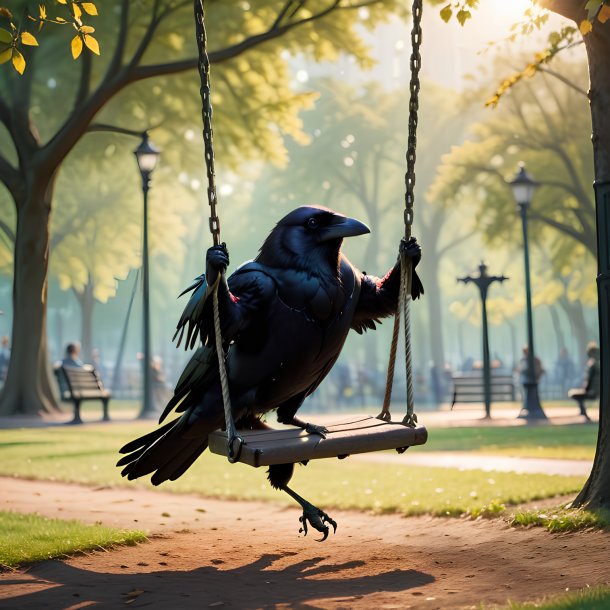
column 28, row 388
column 86, row 301
column 596, row 492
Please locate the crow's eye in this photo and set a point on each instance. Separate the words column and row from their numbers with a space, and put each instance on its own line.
column 312, row 223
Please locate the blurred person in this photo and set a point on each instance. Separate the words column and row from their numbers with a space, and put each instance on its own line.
column 72, row 356
column 538, row 368
column 589, row 389
column 5, row 357
column 564, row 370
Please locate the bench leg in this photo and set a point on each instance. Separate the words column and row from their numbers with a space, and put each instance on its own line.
column 77, row 419
column 105, row 407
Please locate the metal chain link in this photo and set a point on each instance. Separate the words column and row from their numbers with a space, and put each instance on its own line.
column 414, row 86
column 206, row 115
column 404, row 295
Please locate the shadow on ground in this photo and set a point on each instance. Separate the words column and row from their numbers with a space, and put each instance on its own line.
column 260, row 584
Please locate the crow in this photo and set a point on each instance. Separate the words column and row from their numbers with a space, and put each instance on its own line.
column 284, row 319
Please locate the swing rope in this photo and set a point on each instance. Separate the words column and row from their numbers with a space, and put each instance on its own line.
column 235, row 442
column 404, row 295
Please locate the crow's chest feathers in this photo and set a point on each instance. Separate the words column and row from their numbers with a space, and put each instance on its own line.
column 321, row 301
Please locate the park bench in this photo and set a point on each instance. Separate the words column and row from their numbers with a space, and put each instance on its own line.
column 469, row 387
column 77, row 384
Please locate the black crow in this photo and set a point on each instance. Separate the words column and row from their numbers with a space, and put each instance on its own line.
column 284, row 319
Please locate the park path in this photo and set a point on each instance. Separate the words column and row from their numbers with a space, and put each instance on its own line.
column 214, row 554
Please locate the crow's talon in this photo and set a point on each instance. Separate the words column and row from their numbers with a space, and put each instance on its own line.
column 317, row 519
column 313, row 429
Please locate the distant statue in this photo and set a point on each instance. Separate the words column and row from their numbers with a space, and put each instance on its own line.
column 589, row 390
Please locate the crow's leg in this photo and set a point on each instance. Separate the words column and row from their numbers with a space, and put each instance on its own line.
column 279, row 475
column 311, row 428
column 286, row 414
column 311, row 514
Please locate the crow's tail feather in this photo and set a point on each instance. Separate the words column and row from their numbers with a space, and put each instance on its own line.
column 164, row 451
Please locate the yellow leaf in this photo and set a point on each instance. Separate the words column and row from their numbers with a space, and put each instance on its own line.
column 604, row 14
column 446, row 13
column 92, row 44
column 5, row 36
column 6, row 55
column 77, row 11
column 18, row 61
column 89, row 8
column 86, row 29
column 61, row 1
column 27, row 38
column 77, row 46
column 42, row 11
column 585, row 27
column 4, row 12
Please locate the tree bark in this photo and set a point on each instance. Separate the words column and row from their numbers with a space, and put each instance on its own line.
column 28, row 388
column 87, row 304
column 596, row 492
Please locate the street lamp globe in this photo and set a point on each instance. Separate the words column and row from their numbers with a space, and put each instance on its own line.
column 523, row 186
column 147, row 155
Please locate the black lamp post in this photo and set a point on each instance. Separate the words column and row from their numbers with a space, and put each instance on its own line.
column 483, row 282
column 147, row 155
column 523, row 187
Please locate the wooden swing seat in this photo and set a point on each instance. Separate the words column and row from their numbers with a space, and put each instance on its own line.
column 359, row 434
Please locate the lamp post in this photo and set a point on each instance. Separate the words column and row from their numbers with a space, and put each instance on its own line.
column 483, row 282
column 523, row 186
column 147, row 156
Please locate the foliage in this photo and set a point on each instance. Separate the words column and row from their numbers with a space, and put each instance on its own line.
column 19, row 33
column 562, row 519
column 28, row 538
column 88, row 455
column 533, row 126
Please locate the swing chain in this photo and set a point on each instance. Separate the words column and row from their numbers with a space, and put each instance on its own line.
column 206, row 114
column 414, row 86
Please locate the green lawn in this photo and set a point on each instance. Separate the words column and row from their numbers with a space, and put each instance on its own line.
column 88, row 454
column 575, row 442
column 593, row 598
column 28, row 538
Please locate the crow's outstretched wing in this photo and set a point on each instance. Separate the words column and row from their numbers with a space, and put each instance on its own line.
column 241, row 302
column 379, row 298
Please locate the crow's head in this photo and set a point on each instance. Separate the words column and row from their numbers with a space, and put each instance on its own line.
column 309, row 238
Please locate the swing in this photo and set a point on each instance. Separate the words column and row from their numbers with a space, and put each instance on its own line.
column 361, row 433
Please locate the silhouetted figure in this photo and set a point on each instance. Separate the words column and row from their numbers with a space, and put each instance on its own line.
column 589, row 389
column 72, row 356
column 538, row 368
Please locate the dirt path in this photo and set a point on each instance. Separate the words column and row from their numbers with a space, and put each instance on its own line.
column 208, row 554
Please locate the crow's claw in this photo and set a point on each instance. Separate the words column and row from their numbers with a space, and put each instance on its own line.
column 313, row 429
column 317, row 519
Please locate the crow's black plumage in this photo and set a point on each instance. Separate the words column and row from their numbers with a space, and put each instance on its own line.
column 284, row 319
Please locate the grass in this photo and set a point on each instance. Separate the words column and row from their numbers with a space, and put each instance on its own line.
column 591, row 598
column 29, row 538
column 88, row 454
column 575, row 442
column 562, row 519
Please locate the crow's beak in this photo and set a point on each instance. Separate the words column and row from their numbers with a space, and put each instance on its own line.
column 341, row 227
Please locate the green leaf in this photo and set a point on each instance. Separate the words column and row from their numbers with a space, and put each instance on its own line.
column 446, row 13
column 6, row 55
column 463, row 16
column 5, row 36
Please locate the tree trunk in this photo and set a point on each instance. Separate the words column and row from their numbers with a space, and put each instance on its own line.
column 86, row 301
column 576, row 317
column 596, row 492
column 28, row 389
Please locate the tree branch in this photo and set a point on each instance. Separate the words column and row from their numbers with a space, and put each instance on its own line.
column 85, row 80
column 97, row 127
column 566, row 8
column 560, row 226
column 564, row 80
column 119, row 50
column 10, row 234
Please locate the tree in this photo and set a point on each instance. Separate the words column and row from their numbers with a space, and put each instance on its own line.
column 141, row 45
column 596, row 492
